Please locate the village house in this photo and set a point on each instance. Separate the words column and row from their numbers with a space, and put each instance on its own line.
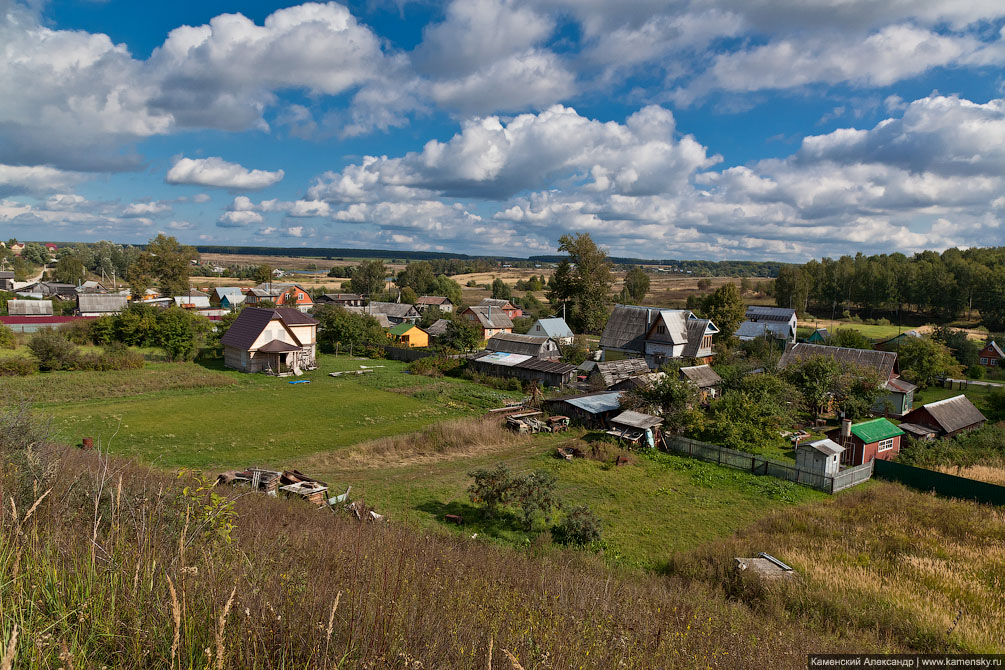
column 96, row 304
column 91, row 286
column 17, row 248
column 822, row 457
column 218, row 293
column 899, row 396
column 342, row 299
column 777, row 322
column 547, row 372
column 991, row 355
column 490, row 320
column 32, row 308
column 658, row 335
column 192, row 300
column 867, row 440
column 556, row 328
column 393, row 312
column 438, row 328
column 274, row 340
column 506, row 306
column 408, row 335
column 280, row 295
column 705, row 379
column 438, row 301
column 512, row 343
column 943, row 418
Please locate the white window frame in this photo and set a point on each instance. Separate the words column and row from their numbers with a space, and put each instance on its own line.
column 888, row 442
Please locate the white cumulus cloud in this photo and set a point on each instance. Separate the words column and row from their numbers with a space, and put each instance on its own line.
column 217, row 172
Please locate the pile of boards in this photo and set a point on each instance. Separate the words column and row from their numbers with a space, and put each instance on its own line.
column 271, row 482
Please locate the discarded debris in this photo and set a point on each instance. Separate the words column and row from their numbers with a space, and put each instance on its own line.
column 569, row 453
column 765, row 565
column 349, row 372
column 291, row 482
column 454, row 518
column 301, row 381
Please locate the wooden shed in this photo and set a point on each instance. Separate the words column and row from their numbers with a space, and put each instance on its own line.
column 948, row 417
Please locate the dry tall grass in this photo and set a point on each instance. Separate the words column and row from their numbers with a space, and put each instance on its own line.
column 921, row 570
column 982, row 473
column 139, row 575
column 448, row 438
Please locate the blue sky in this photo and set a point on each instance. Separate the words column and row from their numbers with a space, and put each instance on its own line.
column 719, row 129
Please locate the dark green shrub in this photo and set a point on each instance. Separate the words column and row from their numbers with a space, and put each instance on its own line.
column 7, row 340
column 17, row 366
column 579, row 527
column 53, row 351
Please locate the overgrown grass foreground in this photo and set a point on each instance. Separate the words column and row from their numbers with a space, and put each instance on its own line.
column 924, row 570
column 108, row 563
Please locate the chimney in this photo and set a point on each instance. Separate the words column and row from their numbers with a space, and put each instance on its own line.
column 490, row 313
column 845, row 429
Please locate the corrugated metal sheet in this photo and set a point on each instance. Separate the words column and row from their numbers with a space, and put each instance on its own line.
column 503, row 358
column 597, row 403
column 98, row 303
column 703, row 376
column 884, row 362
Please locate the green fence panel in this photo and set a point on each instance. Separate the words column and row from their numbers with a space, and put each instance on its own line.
column 943, row 484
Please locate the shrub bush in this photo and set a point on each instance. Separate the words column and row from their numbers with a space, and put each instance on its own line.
column 53, row 350
column 434, row 366
column 7, row 340
column 78, row 332
column 17, row 366
column 579, row 527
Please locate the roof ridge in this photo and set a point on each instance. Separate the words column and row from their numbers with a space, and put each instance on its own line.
column 944, row 400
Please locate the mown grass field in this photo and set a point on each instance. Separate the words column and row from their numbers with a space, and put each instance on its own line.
column 650, row 508
column 187, row 415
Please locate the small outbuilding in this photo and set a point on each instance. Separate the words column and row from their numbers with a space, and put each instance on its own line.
column 705, row 378
column 33, row 308
column 948, row 417
column 868, row 440
column 636, row 428
column 593, row 410
column 607, row 374
column 513, row 343
column 96, row 304
column 438, row 328
column 524, row 367
column 408, row 335
column 822, row 457
column 440, row 302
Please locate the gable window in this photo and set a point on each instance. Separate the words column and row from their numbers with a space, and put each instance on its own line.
column 886, row 445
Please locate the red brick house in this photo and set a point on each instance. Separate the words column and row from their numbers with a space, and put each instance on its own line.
column 876, row 438
column 991, row 355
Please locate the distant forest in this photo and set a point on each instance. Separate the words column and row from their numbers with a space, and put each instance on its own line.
column 945, row 285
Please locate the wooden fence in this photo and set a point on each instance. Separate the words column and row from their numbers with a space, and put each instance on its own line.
column 407, row 355
column 760, row 465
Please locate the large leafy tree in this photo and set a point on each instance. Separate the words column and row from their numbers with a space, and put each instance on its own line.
column 923, row 360
column 165, row 263
column 815, row 378
column 461, row 335
column 419, row 277
column 726, row 310
column 582, row 284
column 501, row 290
column 671, row 398
column 68, row 270
column 637, row 284
column 339, row 326
column 181, row 333
column 368, row 277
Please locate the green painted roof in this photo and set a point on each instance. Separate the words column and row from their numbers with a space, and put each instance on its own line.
column 401, row 328
column 875, row 430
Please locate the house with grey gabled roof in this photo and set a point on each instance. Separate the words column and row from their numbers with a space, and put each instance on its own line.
column 658, row 335
column 555, row 327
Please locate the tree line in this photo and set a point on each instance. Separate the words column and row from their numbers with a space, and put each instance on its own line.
column 945, row 286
